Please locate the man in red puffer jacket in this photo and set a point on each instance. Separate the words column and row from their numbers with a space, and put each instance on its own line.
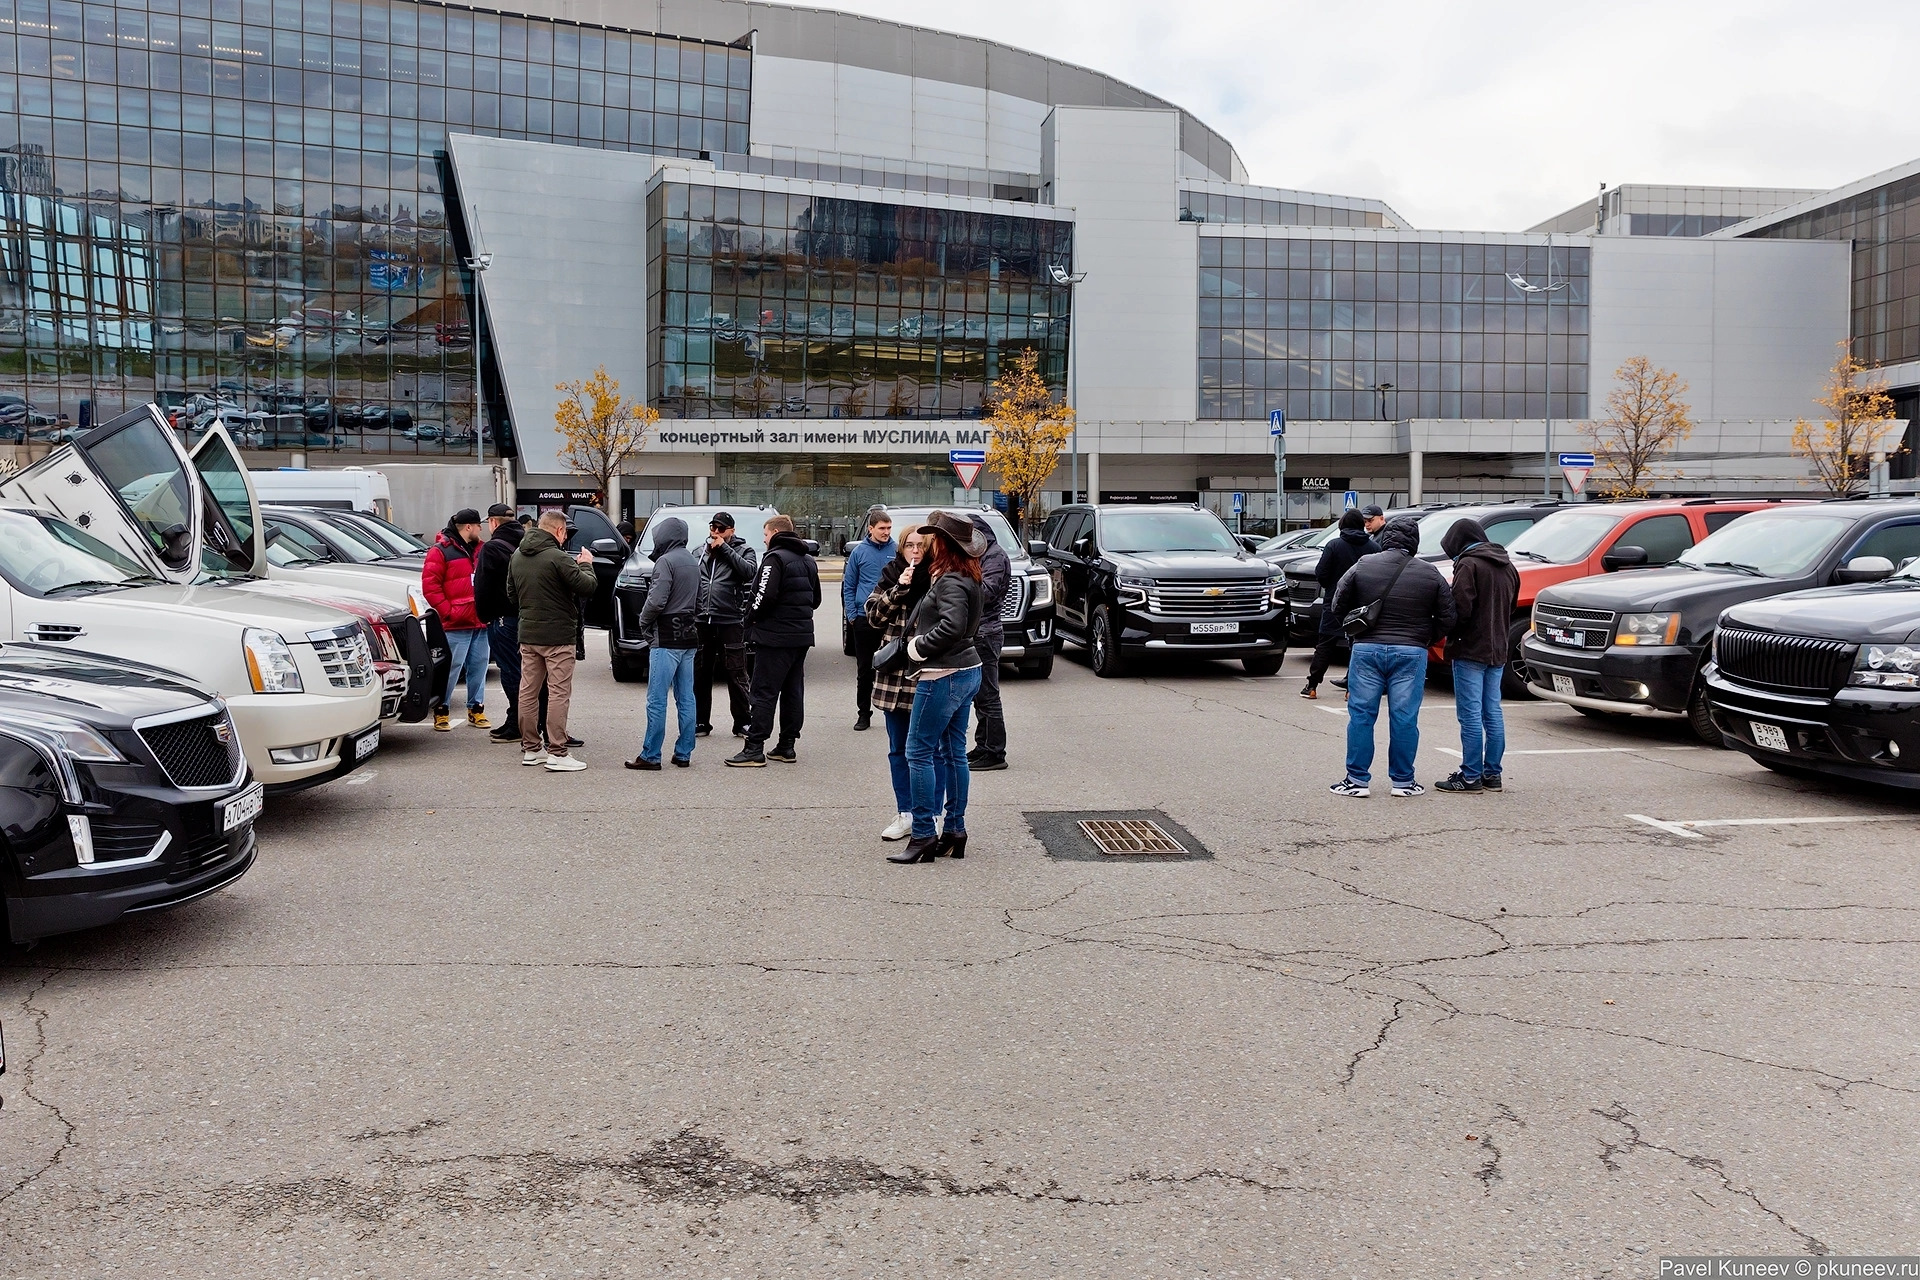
column 447, row 580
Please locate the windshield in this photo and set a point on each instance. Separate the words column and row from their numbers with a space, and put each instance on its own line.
column 1298, row 540
column 288, row 544
column 1564, row 537
column 905, row 518
column 748, row 524
column 390, row 537
column 1125, row 532
column 361, row 543
column 45, row 554
column 1779, row 546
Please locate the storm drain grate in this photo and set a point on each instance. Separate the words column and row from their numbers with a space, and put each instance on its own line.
column 1130, row 835
column 1125, row 835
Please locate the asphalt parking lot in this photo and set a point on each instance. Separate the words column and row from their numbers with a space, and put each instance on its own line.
column 469, row 1019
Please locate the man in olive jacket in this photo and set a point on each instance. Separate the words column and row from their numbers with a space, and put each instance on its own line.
column 545, row 585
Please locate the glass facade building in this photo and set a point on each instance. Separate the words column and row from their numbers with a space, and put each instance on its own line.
column 1315, row 326
column 1215, row 206
column 777, row 303
column 243, row 202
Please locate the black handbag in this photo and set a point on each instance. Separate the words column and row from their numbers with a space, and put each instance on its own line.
column 892, row 656
column 1364, row 618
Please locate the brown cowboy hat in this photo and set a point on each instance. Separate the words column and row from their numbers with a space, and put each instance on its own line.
column 959, row 531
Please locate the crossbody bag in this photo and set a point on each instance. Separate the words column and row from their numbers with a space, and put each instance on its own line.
column 1364, row 618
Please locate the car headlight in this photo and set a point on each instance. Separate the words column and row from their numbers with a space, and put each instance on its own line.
column 1277, row 589
column 1134, row 590
column 417, row 602
column 632, row 576
column 270, row 664
column 1648, row 628
column 1042, row 585
column 79, row 740
column 1887, row 666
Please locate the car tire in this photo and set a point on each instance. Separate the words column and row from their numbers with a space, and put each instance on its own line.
column 625, row 669
column 1265, row 664
column 1103, row 652
column 1513, row 681
column 1700, row 717
column 1037, row 668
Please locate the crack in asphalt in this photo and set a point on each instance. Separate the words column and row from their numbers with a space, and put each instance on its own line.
column 1618, row 1114
column 68, row 1140
column 1489, row 1172
column 1379, row 1042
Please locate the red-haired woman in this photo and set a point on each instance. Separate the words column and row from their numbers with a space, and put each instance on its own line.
column 945, row 664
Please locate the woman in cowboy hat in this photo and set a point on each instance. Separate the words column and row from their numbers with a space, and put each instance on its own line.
column 945, row 666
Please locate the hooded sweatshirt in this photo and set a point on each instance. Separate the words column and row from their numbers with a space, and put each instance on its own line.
column 1336, row 558
column 490, row 575
column 1486, row 588
column 666, row 618
column 1418, row 604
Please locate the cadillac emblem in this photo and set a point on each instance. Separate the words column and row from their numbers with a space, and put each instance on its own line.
column 223, row 731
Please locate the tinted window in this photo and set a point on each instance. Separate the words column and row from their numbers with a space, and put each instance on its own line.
column 1896, row 542
column 1052, row 527
column 1663, row 538
column 1718, row 520
column 1777, row 544
column 140, row 464
column 1503, row 532
column 1072, row 528
column 288, row 544
column 398, row 541
column 591, row 525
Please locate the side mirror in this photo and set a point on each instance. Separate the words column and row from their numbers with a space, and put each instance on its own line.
column 1864, row 569
column 813, row 547
column 1902, row 566
column 605, row 546
column 1036, row 548
column 1247, row 541
column 1624, row 558
column 1083, row 547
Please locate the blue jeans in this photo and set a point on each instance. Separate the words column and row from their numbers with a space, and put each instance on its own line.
column 1483, row 726
column 669, row 669
column 1400, row 673
column 937, row 750
column 897, row 722
column 469, row 649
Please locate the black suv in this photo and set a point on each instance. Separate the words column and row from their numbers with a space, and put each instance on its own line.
column 1141, row 579
column 1825, row 682
column 122, row 789
column 1635, row 643
column 1027, row 614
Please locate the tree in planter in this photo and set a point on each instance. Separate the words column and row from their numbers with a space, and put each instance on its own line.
column 1858, row 418
column 1029, row 428
column 1648, row 417
column 599, row 430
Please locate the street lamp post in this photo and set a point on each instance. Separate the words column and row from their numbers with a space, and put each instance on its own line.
column 1550, row 288
column 1383, row 388
column 478, row 265
column 1062, row 276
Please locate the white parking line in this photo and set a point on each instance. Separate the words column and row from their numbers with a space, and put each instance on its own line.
column 361, row 779
column 1686, row 828
column 1582, row 751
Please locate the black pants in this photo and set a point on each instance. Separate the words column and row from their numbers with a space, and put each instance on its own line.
column 723, row 648
column 990, row 736
column 865, row 641
column 1324, row 650
column 779, row 675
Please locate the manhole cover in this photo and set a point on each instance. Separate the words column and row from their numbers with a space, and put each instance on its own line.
column 1129, row 835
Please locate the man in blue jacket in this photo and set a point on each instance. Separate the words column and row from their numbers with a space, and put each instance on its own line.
column 857, row 582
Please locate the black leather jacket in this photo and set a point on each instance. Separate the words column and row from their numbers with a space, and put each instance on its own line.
column 725, row 574
column 944, row 624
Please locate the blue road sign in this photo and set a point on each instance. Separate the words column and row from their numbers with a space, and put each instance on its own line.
column 1277, row 422
column 1576, row 460
column 967, row 455
column 1239, row 503
column 1349, row 500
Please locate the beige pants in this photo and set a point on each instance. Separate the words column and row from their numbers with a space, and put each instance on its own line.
column 550, row 665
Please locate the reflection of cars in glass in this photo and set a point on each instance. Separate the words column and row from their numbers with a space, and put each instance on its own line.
column 1138, row 579
column 1635, row 643
column 626, row 646
column 1027, row 614
column 123, row 789
column 1824, row 682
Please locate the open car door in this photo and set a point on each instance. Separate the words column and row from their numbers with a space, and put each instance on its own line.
column 236, row 541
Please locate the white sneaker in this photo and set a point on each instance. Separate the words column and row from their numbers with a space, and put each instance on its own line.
column 534, row 757
column 1348, row 787
column 565, row 764
column 1410, row 789
column 899, row 829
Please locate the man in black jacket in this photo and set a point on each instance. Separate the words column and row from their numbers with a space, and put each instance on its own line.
column 1486, row 589
column 780, row 618
column 990, row 735
column 1390, row 657
column 502, row 619
column 1336, row 558
column 727, row 568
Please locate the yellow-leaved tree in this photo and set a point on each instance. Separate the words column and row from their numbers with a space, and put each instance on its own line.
column 1647, row 418
column 1859, row 418
column 599, row 430
column 1029, row 428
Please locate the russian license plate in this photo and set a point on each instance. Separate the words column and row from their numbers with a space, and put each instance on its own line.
column 1213, row 628
column 366, row 744
column 1770, row 736
column 1561, row 636
column 242, row 809
column 1563, row 685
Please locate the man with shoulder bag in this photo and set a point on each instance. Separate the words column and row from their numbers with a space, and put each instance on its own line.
column 667, row 620
column 1393, row 605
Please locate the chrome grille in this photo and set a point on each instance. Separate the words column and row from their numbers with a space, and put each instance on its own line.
column 194, row 753
column 345, row 658
column 120, row 839
column 1790, row 664
column 1595, row 624
column 1016, row 602
column 1208, row 597
column 1302, row 589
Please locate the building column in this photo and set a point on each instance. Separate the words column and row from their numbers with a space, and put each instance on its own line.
column 699, row 491
column 1416, row 462
column 1093, row 475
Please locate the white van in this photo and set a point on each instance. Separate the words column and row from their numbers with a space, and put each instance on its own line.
column 351, row 488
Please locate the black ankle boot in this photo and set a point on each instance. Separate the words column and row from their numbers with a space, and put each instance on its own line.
column 918, row 851
column 954, row 846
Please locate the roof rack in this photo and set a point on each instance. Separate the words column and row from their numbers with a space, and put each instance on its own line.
column 1873, row 497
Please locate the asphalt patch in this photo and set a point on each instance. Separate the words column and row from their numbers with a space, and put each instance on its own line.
column 1060, row 835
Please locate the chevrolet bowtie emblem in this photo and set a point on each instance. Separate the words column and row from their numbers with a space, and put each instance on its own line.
column 1216, row 591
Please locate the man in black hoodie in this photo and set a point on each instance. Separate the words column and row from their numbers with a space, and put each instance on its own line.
column 1486, row 589
column 1336, row 558
column 780, row 618
column 503, row 621
column 1390, row 656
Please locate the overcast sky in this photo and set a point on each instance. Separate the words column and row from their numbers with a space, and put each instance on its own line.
column 1487, row 115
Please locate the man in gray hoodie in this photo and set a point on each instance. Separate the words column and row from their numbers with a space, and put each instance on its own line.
column 667, row 620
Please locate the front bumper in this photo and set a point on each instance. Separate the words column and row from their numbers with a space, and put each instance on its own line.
column 1650, row 681
column 1847, row 735
column 1030, row 637
column 625, row 634
column 1142, row 632
column 270, row 720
